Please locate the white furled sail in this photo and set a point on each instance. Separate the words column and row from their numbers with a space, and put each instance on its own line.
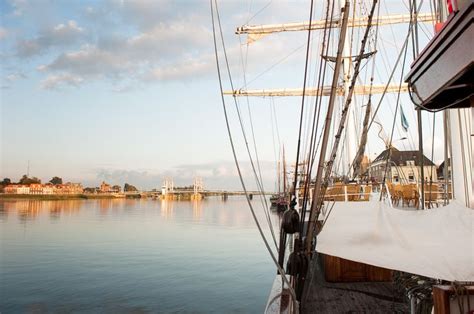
column 462, row 138
column 436, row 243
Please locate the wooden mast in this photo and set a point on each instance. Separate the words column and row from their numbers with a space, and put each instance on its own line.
column 327, row 125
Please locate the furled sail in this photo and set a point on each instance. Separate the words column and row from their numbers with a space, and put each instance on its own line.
column 436, row 243
column 363, row 141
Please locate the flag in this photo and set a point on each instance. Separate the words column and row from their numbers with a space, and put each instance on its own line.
column 403, row 120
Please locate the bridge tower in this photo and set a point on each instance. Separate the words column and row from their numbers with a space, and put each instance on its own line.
column 198, row 188
column 198, row 185
column 168, row 186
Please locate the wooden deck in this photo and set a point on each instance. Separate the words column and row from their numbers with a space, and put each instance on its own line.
column 358, row 297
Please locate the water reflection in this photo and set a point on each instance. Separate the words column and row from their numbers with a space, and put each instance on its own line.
column 197, row 210
column 229, row 213
column 121, row 255
column 29, row 210
column 167, row 209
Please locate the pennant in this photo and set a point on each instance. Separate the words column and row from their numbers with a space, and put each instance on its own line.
column 403, row 120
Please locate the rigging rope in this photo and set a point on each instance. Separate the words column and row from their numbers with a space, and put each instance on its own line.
column 318, row 103
column 389, row 154
column 303, row 97
column 317, row 203
column 267, row 245
column 363, row 141
column 263, row 199
column 259, row 183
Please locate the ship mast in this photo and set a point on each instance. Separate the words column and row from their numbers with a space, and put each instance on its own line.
column 350, row 137
column 327, row 125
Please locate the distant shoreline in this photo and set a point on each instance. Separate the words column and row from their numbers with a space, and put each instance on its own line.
column 53, row 197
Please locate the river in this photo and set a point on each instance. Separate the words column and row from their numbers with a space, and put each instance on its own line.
column 132, row 256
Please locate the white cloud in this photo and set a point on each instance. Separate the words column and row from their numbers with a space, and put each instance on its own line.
column 215, row 175
column 89, row 61
column 192, row 68
column 172, row 51
column 10, row 78
column 132, row 42
column 53, row 81
column 59, row 35
column 15, row 76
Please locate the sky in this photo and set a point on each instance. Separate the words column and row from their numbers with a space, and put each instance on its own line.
column 127, row 91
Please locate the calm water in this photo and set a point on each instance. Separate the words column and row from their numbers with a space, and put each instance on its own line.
column 122, row 256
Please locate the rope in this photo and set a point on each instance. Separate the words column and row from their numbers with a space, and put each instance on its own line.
column 303, row 97
column 263, row 199
column 347, row 104
column 259, row 183
column 292, row 292
column 463, row 154
column 394, row 68
column 318, row 104
column 460, row 290
column 389, row 154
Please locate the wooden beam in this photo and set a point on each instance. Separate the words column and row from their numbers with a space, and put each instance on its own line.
column 356, row 22
column 325, row 91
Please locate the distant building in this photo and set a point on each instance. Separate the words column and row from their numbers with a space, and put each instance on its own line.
column 105, row 188
column 11, row 189
column 441, row 170
column 17, row 189
column 115, row 189
column 48, row 189
column 68, row 188
column 44, row 189
column 364, row 164
column 36, row 188
column 403, row 167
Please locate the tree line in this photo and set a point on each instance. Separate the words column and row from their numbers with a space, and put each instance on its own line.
column 27, row 181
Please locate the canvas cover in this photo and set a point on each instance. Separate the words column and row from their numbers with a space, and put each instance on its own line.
column 437, row 243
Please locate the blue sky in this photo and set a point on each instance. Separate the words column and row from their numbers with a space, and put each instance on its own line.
column 126, row 91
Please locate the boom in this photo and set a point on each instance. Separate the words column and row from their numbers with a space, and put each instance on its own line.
column 304, row 26
column 325, row 91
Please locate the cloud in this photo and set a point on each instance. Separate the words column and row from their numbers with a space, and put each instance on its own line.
column 191, row 68
column 145, row 13
column 172, row 52
column 215, row 175
column 59, row 35
column 53, row 81
column 3, row 33
column 19, row 6
column 131, row 43
column 15, row 76
column 89, row 61
column 10, row 78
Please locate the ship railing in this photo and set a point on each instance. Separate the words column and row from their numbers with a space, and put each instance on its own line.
column 348, row 193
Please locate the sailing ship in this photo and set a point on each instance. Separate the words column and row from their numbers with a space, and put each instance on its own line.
column 280, row 200
column 351, row 247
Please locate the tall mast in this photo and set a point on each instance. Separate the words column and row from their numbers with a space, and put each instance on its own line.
column 327, row 125
column 413, row 12
column 279, row 174
column 346, row 75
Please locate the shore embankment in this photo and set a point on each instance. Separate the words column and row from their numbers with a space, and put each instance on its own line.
column 52, row 197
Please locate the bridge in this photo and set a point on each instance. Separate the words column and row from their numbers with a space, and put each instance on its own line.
column 195, row 191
